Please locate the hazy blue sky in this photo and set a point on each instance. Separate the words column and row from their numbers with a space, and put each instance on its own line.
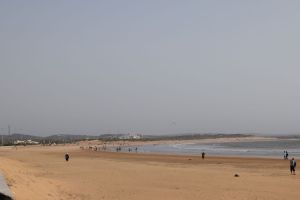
column 150, row 67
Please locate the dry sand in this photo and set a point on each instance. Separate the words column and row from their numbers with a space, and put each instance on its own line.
column 41, row 173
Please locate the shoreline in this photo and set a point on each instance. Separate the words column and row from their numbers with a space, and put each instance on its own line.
column 110, row 146
column 201, row 141
column 193, row 147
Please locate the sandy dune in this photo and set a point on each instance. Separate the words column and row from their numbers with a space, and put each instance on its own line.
column 40, row 173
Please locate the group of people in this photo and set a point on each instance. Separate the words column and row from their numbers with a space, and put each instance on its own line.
column 129, row 149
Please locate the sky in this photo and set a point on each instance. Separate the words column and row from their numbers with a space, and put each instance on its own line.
column 149, row 67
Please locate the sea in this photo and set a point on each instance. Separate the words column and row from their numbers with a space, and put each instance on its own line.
column 272, row 148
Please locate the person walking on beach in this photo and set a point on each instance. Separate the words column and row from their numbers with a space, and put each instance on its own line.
column 67, row 157
column 286, row 155
column 293, row 166
column 203, row 155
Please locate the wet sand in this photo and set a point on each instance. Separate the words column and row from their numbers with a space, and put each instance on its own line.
column 38, row 173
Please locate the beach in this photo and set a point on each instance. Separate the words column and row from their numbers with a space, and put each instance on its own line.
column 40, row 172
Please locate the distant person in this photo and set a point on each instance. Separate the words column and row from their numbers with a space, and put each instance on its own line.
column 293, row 166
column 286, row 155
column 203, row 155
column 67, row 157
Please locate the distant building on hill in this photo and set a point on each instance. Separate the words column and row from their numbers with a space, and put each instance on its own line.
column 131, row 137
column 24, row 142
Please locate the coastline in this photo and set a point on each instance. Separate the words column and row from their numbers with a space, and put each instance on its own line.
column 156, row 142
column 213, row 147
